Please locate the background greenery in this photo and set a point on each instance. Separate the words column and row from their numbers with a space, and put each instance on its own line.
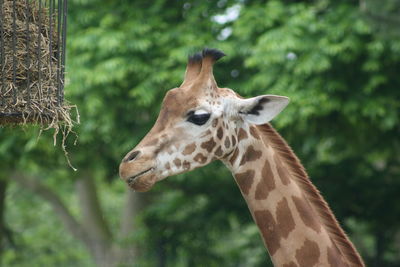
column 339, row 63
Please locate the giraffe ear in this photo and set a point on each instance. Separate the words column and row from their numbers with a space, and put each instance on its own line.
column 261, row 109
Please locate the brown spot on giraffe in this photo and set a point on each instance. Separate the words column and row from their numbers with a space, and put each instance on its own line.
column 228, row 154
column 266, row 223
column 218, row 152
column 189, row 149
column 209, row 145
column 308, row 255
column 233, row 140
column 177, row 162
column 282, row 172
column 242, row 134
column 245, row 180
column 284, row 218
column 290, row 264
column 272, row 230
column 234, row 156
column 250, row 155
column 214, row 123
column 227, row 142
column 186, row 165
column 220, row 133
column 167, row 166
column 266, row 184
column 254, row 133
column 206, row 133
column 306, row 214
column 200, row 158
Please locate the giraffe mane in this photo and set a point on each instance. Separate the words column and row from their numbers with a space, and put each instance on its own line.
column 312, row 194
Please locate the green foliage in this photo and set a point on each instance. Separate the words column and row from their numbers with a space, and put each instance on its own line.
column 39, row 239
column 343, row 122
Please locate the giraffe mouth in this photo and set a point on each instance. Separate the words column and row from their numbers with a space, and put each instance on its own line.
column 132, row 179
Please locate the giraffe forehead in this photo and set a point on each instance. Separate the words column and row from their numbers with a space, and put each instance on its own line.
column 175, row 106
column 180, row 100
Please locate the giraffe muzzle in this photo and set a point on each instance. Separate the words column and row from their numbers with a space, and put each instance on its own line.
column 138, row 170
column 131, row 180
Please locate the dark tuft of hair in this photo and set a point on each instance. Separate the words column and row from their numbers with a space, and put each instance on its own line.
column 195, row 58
column 215, row 54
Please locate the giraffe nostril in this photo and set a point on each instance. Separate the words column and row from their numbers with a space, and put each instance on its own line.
column 131, row 156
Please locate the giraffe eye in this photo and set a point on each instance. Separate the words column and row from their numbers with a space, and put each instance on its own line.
column 198, row 119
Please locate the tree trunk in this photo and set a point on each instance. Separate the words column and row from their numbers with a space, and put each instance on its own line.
column 128, row 252
column 161, row 253
column 93, row 222
column 93, row 231
column 72, row 225
column 379, row 249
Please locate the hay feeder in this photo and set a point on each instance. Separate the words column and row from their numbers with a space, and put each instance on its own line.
column 32, row 60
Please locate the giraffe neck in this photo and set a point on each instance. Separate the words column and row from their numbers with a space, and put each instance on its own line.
column 290, row 225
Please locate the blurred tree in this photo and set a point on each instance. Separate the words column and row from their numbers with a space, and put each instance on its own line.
column 383, row 16
column 343, row 122
column 3, row 187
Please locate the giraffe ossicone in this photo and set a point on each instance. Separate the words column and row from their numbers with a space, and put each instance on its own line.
column 200, row 122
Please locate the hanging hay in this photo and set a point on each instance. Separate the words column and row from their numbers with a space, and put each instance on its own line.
column 32, row 63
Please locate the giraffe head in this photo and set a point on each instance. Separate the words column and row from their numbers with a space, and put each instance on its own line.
column 198, row 123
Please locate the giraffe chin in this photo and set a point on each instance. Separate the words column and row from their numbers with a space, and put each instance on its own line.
column 143, row 183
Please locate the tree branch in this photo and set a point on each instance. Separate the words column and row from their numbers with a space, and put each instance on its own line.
column 92, row 215
column 56, row 203
column 135, row 202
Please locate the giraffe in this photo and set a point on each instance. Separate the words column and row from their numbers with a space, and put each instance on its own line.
column 200, row 122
